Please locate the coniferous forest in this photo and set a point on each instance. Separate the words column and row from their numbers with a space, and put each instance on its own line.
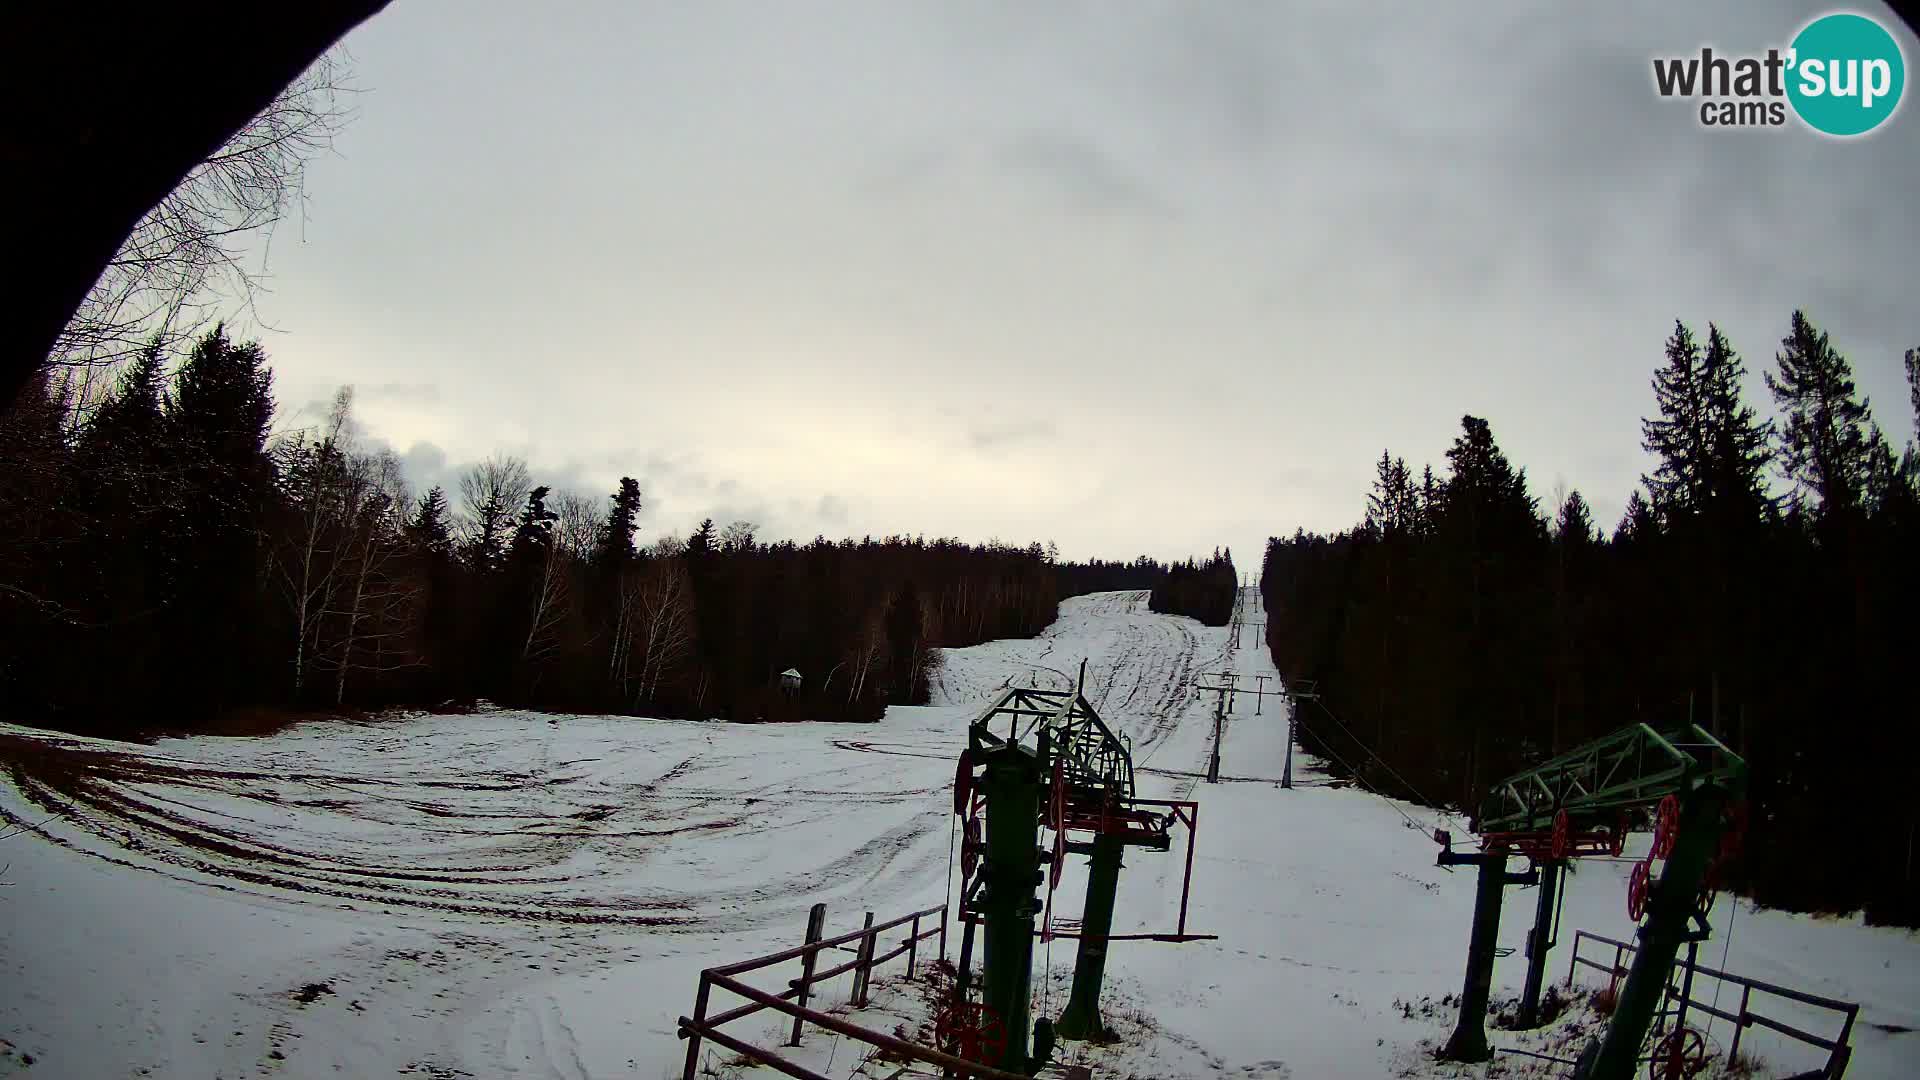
column 170, row 560
column 1203, row 591
column 1762, row 582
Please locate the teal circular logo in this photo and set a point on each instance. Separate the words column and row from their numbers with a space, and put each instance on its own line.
column 1845, row 74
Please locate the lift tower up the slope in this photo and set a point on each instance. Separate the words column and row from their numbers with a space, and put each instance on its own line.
column 1576, row 805
column 1044, row 757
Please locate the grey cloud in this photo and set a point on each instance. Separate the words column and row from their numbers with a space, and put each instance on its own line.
column 901, row 174
column 1217, row 240
column 411, row 393
column 1087, row 176
column 1006, row 433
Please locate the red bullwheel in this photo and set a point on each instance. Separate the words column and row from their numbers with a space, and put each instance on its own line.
column 1666, row 827
column 970, row 846
column 963, row 782
column 1637, row 886
column 1059, row 859
column 1562, row 835
column 1057, row 795
column 1680, row 1054
column 970, row 1030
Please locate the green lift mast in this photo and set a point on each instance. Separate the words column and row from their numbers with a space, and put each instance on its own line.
column 1578, row 804
column 1045, row 758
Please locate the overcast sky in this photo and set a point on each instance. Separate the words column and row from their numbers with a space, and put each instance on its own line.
column 1135, row 277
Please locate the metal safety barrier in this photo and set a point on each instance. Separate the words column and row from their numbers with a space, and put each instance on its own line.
column 1838, row 1048
column 865, row 947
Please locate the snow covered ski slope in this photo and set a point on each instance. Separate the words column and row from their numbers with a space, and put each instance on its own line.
column 517, row 895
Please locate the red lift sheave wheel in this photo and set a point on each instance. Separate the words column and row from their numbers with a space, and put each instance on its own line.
column 970, row 1030
column 1637, row 886
column 1666, row 827
column 963, row 782
column 1059, row 824
column 1681, row 1053
column 970, row 847
column 1562, row 835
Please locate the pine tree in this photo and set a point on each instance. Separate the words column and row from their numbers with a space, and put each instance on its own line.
column 1678, row 485
column 622, row 522
column 1637, row 523
column 1427, row 503
column 1910, row 461
column 1574, row 522
column 217, row 422
column 534, row 535
column 904, row 643
column 1486, row 498
column 1826, row 444
column 701, row 543
column 429, row 529
column 1738, row 442
column 1393, row 504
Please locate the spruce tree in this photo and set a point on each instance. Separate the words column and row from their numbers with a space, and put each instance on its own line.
column 216, row 423
column 1737, row 445
column 903, row 643
column 429, row 529
column 534, row 535
column 1678, row 484
column 1574, row 522
column 622, row 521
column 1910, row 462
column 1637, row 522
column 1826, row 442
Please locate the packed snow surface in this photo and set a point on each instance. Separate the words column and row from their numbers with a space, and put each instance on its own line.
column 512, row 894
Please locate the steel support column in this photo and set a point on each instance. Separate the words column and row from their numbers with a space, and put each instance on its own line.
column 1469, row 1040
column 1081, row 1020
column 1012, row 870
column 1539, row 941
column 1669, row 909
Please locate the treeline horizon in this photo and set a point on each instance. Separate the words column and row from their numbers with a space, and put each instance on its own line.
column 165, row 559
column 1761, row 583
column 1199, row 590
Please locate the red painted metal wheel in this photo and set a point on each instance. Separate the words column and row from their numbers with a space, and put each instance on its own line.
column 1637, row 886
column 970, row 846
column 1057, row 795
column 1562, row 835
column 1059, row 859
column 970, row 1030
column 1681, row 1053
column 1617, row 843
column 1666, row 828
column 963, row 783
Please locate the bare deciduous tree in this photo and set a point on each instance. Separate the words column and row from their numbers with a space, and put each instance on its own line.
column 580, row 524
column 375, row 606
column 665, row 610
column 738, row 536
column 189, row 251
column 316, row 475
column 491, row 493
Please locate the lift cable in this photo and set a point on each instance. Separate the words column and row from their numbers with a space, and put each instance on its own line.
column 1725, row 946
column 1383, row 764
column 1361, row 780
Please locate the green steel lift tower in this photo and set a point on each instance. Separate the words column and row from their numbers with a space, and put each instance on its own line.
column 1044, row 758
column 1580, row 804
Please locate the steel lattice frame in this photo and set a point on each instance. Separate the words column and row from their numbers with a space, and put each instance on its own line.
column 1631, row 767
